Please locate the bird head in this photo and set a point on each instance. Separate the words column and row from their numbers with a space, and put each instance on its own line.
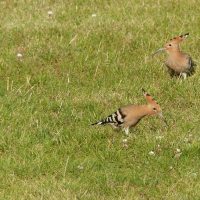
column 172, row 45
column 152, row 103
column 153, row 106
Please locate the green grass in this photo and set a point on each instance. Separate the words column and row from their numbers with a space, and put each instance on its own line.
column 77, row 69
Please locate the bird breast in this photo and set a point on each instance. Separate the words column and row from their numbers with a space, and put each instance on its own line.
column 178, row 64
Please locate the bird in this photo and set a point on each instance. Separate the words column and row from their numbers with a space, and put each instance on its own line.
column 128, row 116
column 179, row 64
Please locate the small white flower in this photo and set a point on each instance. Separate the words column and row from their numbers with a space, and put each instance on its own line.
column 178, row 151
column 152, row 153
column 94, row 15
column 124, row 140
column 80, row 167
column 170, row 167
column 50, row 13
column 19, row 55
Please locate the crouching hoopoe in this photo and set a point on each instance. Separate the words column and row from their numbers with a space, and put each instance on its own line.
column 128, row 116
column 178, row 63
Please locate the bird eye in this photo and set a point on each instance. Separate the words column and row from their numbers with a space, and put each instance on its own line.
column 154, row 109
column 170, row 45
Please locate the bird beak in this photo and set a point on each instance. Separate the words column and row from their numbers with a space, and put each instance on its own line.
column 161, row 116
column 158, row 51
column 186, row 35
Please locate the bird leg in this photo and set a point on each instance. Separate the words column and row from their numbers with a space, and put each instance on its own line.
column 184, row 75
column 126, row 130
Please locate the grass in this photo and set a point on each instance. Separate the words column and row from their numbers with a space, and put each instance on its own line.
column 76, row 69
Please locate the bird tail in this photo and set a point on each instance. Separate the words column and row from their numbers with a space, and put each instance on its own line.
column 117, row 118
column 111, row 119
column 102, row 122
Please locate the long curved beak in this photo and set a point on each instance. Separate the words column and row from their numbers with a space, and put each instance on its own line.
column 161, row 116
column 185, row 35
column 158, row 51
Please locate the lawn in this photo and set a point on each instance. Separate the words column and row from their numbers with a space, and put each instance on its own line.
column 67, row 64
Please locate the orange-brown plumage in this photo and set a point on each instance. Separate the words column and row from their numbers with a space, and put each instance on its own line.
column 177, row 62
column 128, row 116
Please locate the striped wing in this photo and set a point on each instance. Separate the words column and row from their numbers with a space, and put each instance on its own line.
column 191, row 64
column 116, row 119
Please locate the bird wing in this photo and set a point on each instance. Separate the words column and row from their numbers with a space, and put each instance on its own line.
column 191, row 65
column 117, row 119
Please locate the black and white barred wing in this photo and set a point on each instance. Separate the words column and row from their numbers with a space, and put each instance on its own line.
column 116, row 119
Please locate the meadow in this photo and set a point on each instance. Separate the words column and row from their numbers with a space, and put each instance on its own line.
column 67, row 64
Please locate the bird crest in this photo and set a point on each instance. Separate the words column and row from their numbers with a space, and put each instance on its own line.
column 173, row 44
column 149, row 98
column 179, row 39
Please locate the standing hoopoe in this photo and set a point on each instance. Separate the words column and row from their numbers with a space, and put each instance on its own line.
column 128, row 116
column 178, row 63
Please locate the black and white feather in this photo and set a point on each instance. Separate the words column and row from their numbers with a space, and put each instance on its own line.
column 116, row 119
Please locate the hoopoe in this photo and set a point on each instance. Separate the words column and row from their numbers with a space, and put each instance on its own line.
column 128, row 116
column 178, row 63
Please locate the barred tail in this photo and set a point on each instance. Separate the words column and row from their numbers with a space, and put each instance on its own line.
column 98, row 123
column 108, row 120
column 116, row 118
